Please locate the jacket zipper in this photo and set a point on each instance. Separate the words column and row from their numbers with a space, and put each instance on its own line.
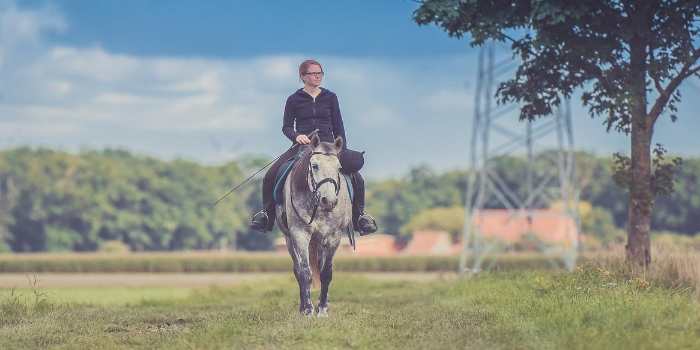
column 313, row 107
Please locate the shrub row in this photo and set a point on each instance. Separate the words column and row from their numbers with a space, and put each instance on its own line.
column 193, row 263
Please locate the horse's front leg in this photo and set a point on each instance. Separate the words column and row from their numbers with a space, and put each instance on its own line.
column 298, row 246
column 326, row 254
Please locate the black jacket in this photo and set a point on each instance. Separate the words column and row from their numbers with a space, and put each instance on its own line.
column 323, row 114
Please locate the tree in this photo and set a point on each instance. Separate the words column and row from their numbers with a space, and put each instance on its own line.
column 55, row 201
column 616, row 51
column 7, row 199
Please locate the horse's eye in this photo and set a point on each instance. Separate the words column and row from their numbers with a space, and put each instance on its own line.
column 314, row 167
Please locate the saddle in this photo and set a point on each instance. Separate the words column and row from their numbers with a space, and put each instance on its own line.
column 283, row 172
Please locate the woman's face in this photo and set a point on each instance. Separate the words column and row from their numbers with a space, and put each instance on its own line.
column 313, row 76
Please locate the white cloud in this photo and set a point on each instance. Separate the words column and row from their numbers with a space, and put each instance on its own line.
column 402, row 111
column 92, row 64
column 21, row 30
column 448, row 101
column 18, row 25
column 71, row 97
column 280, row 68
column 165, row 94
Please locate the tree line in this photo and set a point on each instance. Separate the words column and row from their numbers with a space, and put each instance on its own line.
column 396, row 201
column 57, row 201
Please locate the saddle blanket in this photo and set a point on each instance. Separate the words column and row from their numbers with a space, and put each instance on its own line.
column 283, row 172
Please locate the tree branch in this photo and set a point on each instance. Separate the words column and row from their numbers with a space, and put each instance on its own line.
column 654, row 77
column 657, row 84
column 693, row 71
column 665, row 95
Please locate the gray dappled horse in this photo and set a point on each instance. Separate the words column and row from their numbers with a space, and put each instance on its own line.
column 317, row 211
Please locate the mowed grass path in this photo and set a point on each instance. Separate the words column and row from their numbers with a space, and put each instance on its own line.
column 588, row 309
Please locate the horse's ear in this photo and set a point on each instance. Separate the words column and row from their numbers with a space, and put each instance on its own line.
column 315, row 141
column 339, row 143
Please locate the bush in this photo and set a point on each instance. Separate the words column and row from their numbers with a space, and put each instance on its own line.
column 671, row 266
column 591, row 243
column 529, row 242
column 442, row 219
column 114, row 246
column 16, row 307
column 244, row 263
column 675, row 241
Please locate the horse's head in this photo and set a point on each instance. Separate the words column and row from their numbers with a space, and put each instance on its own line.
column 324, row 171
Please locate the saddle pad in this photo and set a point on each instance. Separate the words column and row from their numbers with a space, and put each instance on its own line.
column 283, row 172
column 351, row 191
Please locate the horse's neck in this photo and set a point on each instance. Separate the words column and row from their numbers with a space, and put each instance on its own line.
column 299, row 182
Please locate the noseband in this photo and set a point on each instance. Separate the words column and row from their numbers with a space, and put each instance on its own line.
column 316, row 196
column 315, row 186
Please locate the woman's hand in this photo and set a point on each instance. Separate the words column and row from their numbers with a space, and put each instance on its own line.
column 303, row 139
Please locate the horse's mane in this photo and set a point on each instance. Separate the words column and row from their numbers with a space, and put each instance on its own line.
column 300, row 172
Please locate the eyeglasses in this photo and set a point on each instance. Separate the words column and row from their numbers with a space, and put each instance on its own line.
column 316, row 74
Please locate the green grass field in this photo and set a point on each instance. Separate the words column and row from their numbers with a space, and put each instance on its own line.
column 588, row 309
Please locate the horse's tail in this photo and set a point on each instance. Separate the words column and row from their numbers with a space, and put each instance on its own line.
column 315, row 263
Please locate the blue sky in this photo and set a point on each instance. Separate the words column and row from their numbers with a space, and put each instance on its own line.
column 207, row 80
column 229, row 29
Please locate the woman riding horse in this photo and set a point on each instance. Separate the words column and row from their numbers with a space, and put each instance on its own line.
column 314, row 108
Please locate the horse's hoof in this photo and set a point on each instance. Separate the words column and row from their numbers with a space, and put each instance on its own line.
column 308, row 312
column 322, row 312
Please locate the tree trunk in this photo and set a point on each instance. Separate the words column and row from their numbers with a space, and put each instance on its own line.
column 641, row 198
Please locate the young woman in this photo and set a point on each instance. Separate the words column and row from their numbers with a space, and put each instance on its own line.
column 307, row 109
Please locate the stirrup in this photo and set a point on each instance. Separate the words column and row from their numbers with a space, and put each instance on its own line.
column 366, row 224
column 259, row 221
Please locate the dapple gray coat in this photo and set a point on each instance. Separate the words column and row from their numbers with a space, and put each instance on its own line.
column 312, row 246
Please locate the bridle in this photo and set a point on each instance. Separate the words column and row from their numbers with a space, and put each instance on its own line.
column 315, row 186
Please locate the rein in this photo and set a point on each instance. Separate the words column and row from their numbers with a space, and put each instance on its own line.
column 261, row 169
column 314, row 189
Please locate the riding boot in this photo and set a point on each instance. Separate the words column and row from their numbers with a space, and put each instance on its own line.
column 264, row 220
column 362, row 222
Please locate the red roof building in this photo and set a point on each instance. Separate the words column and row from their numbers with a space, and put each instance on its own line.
column 428, row 243
column 376, row 244
column 548, row 225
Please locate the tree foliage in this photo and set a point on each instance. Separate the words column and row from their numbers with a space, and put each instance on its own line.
column 55, row 201
column 396, row 201
column 564, row 46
